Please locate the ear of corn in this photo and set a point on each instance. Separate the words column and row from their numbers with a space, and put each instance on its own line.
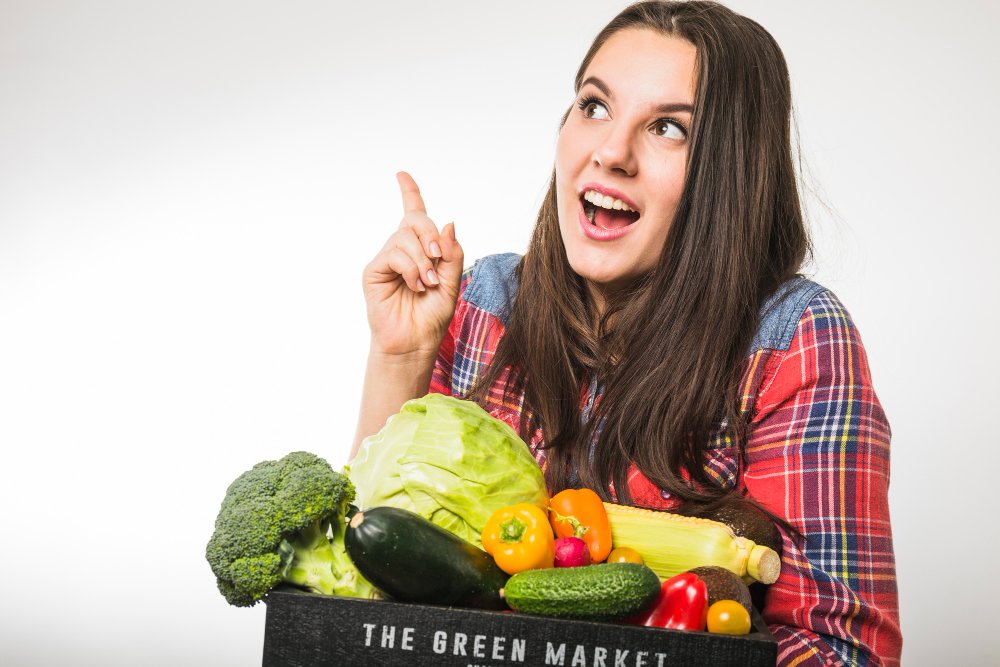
column 670, row 544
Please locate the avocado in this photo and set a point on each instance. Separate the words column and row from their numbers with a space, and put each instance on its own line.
column 723, row 585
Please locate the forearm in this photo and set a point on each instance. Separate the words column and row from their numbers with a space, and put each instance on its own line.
column 390, row 381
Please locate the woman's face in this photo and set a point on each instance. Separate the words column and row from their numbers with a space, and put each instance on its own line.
column 621, row 155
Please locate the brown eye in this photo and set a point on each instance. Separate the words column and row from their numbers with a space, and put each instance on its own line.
column 593, row 108
column 669, row 129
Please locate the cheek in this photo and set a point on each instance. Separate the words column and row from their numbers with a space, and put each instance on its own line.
column 570, row 148
column 565, row 174
column 561, row 161
column 671, row 179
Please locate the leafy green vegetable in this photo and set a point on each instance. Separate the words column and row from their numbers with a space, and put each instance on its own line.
column 284, row 521
column 449, row 461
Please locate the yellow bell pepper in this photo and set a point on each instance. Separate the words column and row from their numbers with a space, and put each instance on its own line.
column 519, row 538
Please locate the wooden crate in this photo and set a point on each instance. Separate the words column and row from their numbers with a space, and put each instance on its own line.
column 307, row 630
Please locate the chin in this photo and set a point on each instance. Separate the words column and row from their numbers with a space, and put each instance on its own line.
column 599, row 271
column 612, row 266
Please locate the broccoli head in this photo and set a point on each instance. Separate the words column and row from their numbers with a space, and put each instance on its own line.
column 284, row 521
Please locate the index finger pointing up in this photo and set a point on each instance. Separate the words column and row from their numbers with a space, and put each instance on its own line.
column 412, row 201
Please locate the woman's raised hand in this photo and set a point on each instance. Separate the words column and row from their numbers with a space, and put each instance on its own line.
column 411, row 286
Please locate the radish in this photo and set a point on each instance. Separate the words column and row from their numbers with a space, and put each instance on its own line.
column 571, row 552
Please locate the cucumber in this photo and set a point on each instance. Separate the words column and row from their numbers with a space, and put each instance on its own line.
column 414, row 560
column 604, row 592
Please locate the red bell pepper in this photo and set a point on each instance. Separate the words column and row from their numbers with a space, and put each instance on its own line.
column 682, row 604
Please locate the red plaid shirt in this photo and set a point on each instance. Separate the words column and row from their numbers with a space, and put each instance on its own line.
column 817, row 455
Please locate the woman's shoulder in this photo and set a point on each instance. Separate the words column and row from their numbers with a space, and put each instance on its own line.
column 491, row 283
column 795, row 301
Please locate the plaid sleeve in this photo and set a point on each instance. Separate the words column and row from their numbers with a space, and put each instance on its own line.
column 818, row 456
column 471, row 341
column 444, row 365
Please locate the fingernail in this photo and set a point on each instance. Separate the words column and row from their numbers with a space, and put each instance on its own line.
column 453, row 232
column 420, row 286
column 432, row 277
column 435, row 249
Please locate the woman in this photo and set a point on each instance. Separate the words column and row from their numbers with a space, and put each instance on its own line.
column 655, row 343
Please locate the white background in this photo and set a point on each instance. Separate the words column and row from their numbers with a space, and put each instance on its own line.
column 188, row 193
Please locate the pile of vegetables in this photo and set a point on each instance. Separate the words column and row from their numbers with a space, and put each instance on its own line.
column 456, row 513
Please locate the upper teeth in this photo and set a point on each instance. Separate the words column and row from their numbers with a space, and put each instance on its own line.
column 605, row 201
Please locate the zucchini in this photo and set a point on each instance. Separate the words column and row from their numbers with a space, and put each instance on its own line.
column 604, row 592
column 413, row 560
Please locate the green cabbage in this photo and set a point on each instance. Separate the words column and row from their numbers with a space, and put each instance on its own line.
column 449, row 461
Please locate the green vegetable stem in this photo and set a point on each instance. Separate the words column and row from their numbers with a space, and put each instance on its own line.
column 284, row 521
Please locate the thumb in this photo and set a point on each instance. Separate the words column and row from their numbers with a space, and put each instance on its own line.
column 450, row 265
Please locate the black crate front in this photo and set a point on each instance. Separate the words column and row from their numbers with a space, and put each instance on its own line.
column 307, row 630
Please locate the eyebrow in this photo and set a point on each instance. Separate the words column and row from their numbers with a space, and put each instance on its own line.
column 661, row 108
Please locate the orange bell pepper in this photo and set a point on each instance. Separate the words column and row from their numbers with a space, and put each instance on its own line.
column 580, row 513
column 519, row 538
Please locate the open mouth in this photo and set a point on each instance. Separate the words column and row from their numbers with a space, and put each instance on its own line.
column 607, row 212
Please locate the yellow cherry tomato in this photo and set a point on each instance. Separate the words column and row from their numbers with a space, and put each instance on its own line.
column 728, row 617
column 624, row 555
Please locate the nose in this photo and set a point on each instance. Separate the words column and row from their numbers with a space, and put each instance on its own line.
column 615, row 151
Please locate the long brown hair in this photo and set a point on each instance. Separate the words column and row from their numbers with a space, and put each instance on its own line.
column 669, row 350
